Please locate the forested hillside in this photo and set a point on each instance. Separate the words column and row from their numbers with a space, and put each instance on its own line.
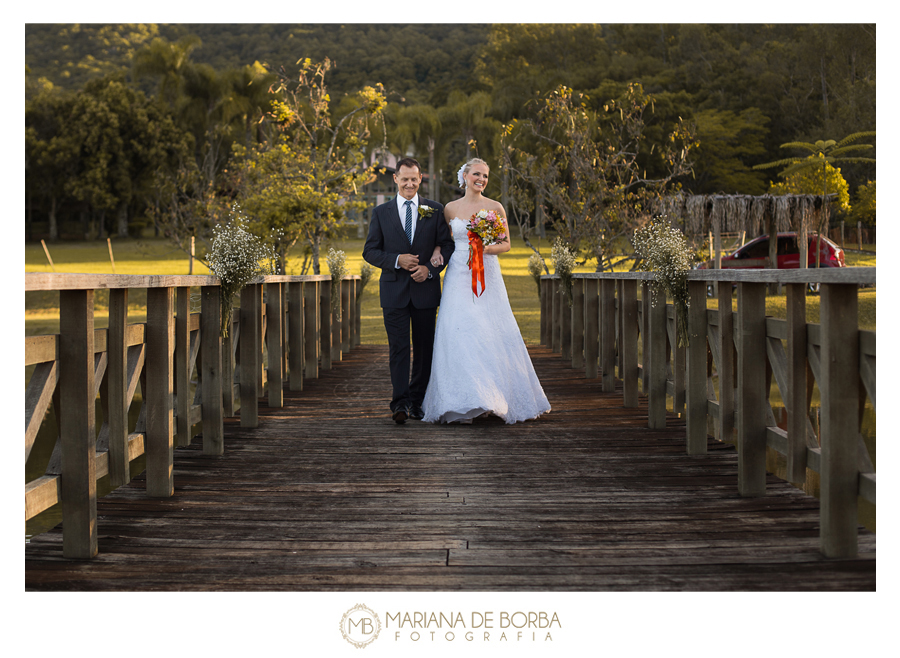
column 449, row 90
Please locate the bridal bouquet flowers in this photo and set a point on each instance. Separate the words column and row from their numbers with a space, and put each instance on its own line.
column 484, row 228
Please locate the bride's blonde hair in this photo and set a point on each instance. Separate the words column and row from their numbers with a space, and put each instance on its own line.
column 465, row 169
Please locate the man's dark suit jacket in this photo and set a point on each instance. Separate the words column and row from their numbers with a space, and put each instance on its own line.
column 387, row 240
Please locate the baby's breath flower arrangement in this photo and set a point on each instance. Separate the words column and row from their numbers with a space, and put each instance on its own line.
column 563, row 264
column 536, row 269
column 336, row 260
column 365, row 275
column 237, row 257
column 664, row 251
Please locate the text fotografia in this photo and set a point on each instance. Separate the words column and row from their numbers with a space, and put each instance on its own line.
column 481, row 626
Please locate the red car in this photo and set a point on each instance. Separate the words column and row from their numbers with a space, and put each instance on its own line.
column 755, row 254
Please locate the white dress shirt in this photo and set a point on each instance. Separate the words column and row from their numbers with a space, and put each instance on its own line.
column 401, row 208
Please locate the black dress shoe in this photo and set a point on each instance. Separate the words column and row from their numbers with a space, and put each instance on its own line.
column 400, row 415
column 416, row 413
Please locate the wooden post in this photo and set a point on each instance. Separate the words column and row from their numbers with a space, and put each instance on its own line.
column 346, row 285
column 295, row 336
column 859, row 235
column 696, row 399
column 726, row 363
column 311, row 328
column 842, row 234
column 591, row 327
column 112, row 261
column 565, row 326
column 251, row 304
column 679, row 366
column 228, row 366
column 77, row 424
column 645, row 336
column 159, row 443
column 47, row 254
column 357, row 312
column 212, row 381
column 336, row 322
column 795, row 400
column 655, row 364
column 839, row 388
column 325, row 333
column 556, row 316
column 546, row 311
column 752, row 391
column 576, row 322
column 629, row 374
column 117, row 386
column 620, row 295
column 275, row 345
column 182, row 366
column 608, row 334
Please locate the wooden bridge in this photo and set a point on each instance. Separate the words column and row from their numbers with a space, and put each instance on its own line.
column 312, row 487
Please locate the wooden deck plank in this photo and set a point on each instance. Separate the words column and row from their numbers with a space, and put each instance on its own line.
column 328, row 494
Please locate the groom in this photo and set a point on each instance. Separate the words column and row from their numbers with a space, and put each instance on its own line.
column 402, row 236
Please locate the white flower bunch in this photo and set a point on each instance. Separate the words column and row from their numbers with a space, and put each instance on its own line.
column 536, row 269
column 563, row 264
column 664, row 251
column 366, row 272
column 237, row 257
column 336, row 260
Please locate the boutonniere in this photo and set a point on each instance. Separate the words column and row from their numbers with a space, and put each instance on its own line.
column 425, row 211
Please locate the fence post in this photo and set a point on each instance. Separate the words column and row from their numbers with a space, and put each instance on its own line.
column 182, row 366
column 251, row 307
column 160, row 415
column 591, row 327
column 655, row 362
column 336, row 321
column 311, row 328
column 345, row 316
column 620, row 319
column 726, row 363
column 275, row 345
column 608, row 334
column 629, row 374
column 645, row 336
column 295, row 336
column 679, row 367
column 546, row 311
column 77, row 425
column 795, row 400
column 556, row 316
column 117, row 378
column 752, row 392
column 839, row 388
column 212, row 381
column 695, row 395
column 357, row 312
column 325, row 323
column 576, row 322
column 228, row 365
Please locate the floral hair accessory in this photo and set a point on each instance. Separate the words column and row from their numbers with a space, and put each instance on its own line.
column 459, row 176
column 425, row 211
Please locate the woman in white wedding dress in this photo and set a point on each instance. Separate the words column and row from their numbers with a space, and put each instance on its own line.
column 480, row 363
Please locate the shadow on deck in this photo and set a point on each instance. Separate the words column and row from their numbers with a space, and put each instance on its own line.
column 329, row 494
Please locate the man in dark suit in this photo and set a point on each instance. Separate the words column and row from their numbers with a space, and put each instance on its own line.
column 402, row 236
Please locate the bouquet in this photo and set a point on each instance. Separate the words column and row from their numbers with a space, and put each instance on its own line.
column 484, row 228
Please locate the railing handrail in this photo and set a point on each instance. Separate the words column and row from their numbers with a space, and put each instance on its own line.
column 850, row 275
column 74, row 281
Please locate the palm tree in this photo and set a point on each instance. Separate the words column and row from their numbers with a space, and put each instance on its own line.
column 822, row 153
column 419, row 126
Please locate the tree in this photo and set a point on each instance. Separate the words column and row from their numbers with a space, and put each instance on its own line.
column 418, row 126
column 325, row 151
column 586, row 167
column 864, row 206
column 824, row 154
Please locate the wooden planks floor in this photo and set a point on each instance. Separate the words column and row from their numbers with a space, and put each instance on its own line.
column 329, row 494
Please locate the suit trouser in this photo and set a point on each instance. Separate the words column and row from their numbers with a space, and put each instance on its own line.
column 409, row 390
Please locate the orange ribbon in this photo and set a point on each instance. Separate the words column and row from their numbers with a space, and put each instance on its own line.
column 476, row 262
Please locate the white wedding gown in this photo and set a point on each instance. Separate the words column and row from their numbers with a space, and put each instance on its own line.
column 480, row 361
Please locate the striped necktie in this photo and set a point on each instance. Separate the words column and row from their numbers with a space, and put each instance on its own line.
column 408, row 225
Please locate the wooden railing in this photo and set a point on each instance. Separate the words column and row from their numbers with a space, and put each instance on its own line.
column 289, row 337
column 607, row 322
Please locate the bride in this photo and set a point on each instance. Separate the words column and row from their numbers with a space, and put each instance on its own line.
column 480, row 363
